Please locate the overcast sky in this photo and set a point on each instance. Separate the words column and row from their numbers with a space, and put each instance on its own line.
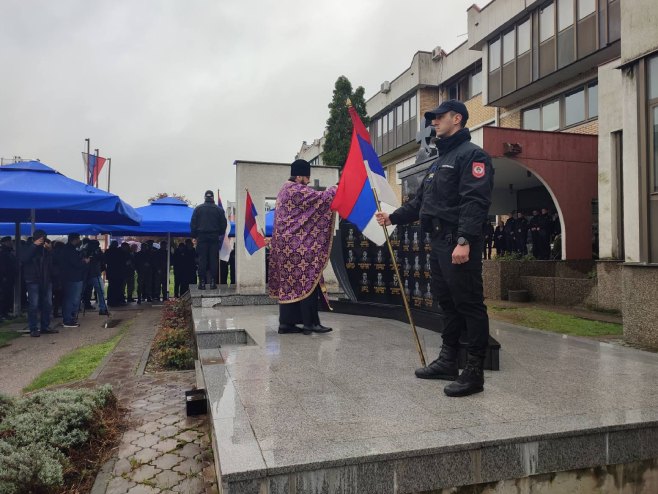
column 175, row 91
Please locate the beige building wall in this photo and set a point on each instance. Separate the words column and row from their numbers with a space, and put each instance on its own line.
column 639, row 21
column 610, row 110
column 478, row 113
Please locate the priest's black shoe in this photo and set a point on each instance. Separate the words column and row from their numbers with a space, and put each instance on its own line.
column 470, row 381
column 289, row 328
column 316, row 328
column 444, row 367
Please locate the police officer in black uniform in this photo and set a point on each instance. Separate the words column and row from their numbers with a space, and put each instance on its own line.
column 207, row 224
column 453, row 202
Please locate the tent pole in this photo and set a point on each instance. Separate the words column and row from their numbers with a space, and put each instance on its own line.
column 17, row 285
column 32, row 221
column 168, row 260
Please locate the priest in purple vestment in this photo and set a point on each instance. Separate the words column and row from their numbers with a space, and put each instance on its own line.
column 299, row 250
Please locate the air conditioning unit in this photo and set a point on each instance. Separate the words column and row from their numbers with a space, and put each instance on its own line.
column 386, row 87
column 438, row 53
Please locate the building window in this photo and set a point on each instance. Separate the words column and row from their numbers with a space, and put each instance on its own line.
column 550, row 116
column 508, row 47
column 399, row 115
column 532, row 119
column 564, row 14
column 523, row 37
column 574, row 107
column 476, row 82
column 571, row 108
column 585, row 8
column 494, row 55
column 412, row 106
column 652, row 98
column 593, row 99
column 405, row 111
column 546, row 23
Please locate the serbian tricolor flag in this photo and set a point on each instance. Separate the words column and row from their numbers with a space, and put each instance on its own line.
column 355, row 200
column 253, row 239
column 94, row 165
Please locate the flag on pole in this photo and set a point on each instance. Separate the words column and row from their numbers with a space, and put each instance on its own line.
column 219, row 200
column 94, row 165
column 227, row 244
column 253, row 239
column 354, row 200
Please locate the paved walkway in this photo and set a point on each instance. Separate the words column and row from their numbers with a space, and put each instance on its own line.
column 164, row 450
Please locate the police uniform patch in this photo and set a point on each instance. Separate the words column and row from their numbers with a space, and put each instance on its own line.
column 478, row 169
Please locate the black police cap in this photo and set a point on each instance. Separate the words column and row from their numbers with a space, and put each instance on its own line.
column 446, row 106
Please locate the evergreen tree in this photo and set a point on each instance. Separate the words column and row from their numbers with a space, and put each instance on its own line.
column 339, row 124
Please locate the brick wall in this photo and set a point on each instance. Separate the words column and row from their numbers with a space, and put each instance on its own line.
column 428, row 99
column 512, row 121
column 591, row 127
column 477, row 112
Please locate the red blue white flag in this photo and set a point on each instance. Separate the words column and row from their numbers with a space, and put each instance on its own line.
column 253, row 238
column 363, row 172
column 94, row 165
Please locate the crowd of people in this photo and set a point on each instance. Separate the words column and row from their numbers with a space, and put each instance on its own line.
column 60, row 279
column 522, row 234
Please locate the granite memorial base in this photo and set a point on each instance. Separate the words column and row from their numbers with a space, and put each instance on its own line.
column 342, row 412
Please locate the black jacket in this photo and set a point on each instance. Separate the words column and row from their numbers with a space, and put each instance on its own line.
column 7, row 266
column 208, row 218
column 37, row 264
column 456, row 189
column 70, row 264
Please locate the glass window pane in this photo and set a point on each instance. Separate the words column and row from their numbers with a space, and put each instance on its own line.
column 574, row 107
column 476, row 82
column 384, row 124
column 452, row 92
column 412, row 106
column 531, row 119
column 550, row 116
column 405, row 111
column 399, row 116
column 508, row 47
column 655, row 148
column 523, row 37
column 494, row 55
column 653, row 78
column 391, row 125
column 546, row 23
column 585, row 8
column 564, row 14
column 593, row 100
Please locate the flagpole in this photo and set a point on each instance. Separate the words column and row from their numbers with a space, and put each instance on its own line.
column 95, row 182
column 109, row 172
column 419, row 348
column 86, row 166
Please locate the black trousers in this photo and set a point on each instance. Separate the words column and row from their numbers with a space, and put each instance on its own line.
column 207, row 248
column 144, row 283
column 458, row 289
column 305, row 311
column 129, row 281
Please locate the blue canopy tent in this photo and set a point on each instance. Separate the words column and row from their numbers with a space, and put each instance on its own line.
column 50, row 228
column 167, row 216
column 31, row 191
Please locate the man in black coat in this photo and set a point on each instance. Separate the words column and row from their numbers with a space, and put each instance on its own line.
column 37, row 262
column 115, row 263
column 144, row 267
column 7, row 277
column 72, row 269
column 207, row 224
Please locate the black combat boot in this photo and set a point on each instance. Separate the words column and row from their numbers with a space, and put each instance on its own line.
column 202, row 285
column 470, row 381
column 213, row 285
column 444, row 367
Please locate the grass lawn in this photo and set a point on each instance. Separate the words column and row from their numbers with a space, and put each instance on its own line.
column 554, row 321
column 77, row 365
column 6, row 336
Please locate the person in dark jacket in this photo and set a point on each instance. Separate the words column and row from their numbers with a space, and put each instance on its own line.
column 207, row 224
column 129, row 270
column 452, row 203
column 488, row 234
column 7, row 277
column 58, row 287
column 37, row 262
column 499, row 239
column 95, row 268
column 160, row 272
column 510, row 233
column 144, row 266
column 179, row 262
column 191, row 262
column 72, row 268
column 533, row 226
column 521, row 234
column 114, row 262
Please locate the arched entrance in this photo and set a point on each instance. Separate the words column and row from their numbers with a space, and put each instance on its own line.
column 563, row 165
